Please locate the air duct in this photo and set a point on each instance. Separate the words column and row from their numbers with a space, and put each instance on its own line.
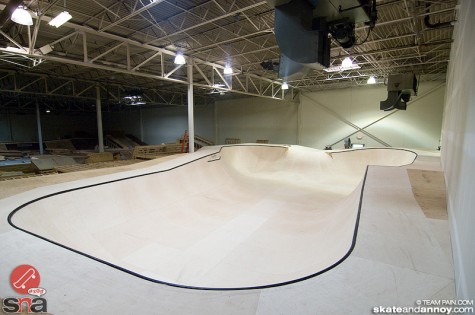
column 400, row 89
column 301, row 42
column 303, row 30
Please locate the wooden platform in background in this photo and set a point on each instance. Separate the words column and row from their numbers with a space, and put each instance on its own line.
column 93, row 166
column 155, row 151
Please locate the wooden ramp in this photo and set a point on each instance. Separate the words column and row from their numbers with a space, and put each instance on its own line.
column 228, row 217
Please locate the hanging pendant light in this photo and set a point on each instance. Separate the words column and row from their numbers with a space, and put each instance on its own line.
column 21, row 16
column 228, row 70
column 371, row 80
column 179, row 59
column 346, row 63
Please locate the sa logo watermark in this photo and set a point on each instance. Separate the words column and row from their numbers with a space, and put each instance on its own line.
column 25, row 279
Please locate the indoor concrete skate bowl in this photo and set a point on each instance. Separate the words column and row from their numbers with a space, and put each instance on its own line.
column 223, row 218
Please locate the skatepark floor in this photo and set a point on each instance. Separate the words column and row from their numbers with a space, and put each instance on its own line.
column 402, row 254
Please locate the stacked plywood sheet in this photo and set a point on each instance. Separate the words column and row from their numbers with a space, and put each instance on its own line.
column 153, row 151
column 203, row 141
column 232, row 141
column 11, row 153
column 121, row 141
column 93, row 166
column 49, row 162
column 99, row 157
column 61, row 147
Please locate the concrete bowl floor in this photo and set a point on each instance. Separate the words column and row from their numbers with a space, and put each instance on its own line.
column 232, row 217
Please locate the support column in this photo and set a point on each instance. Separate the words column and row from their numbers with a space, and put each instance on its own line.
column 216, row 124
column 141, row 125
column 299, row 120
column 100, row 136
column 38, row 123
column 191, row 124
column 10, row 126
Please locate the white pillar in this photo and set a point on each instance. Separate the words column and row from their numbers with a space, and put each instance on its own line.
column 191, row 124
column 299, row 120
column 216, row 124
column 100, row 136
column 38, row 123
column 141, row 125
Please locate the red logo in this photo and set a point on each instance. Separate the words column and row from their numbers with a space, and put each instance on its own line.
column 23, row 278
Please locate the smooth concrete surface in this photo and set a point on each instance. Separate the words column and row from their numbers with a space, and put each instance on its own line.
column 400, row 257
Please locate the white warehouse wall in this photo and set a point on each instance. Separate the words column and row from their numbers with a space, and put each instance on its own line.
column 458, row 149
column 326, row 117
column 320, row 119
column 251, row 119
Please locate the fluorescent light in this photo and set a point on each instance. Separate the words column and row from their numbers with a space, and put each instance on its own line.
column 285, row 86
column 371, row 80
column 340, row 68
column 228, row 70
column 21, row 16
column 60, row 19
column 179, row 59
column 14, row 49
column 347, row 63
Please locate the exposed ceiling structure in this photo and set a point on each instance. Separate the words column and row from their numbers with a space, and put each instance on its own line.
column 125, row 46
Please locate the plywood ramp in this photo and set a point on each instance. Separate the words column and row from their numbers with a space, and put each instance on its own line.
column 223, row 218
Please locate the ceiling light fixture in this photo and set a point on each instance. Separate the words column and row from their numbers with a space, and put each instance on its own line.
column 15, row 49
column 133, row 100
column 347, row 63
column 61, row 18
column 21, row 16
column 285, row 86
column 371, row 80
column 180, row 59
column 340, row 68
column 228, row 70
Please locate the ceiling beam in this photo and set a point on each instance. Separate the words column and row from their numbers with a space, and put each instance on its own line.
column 208, row 21
column 132, row 14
